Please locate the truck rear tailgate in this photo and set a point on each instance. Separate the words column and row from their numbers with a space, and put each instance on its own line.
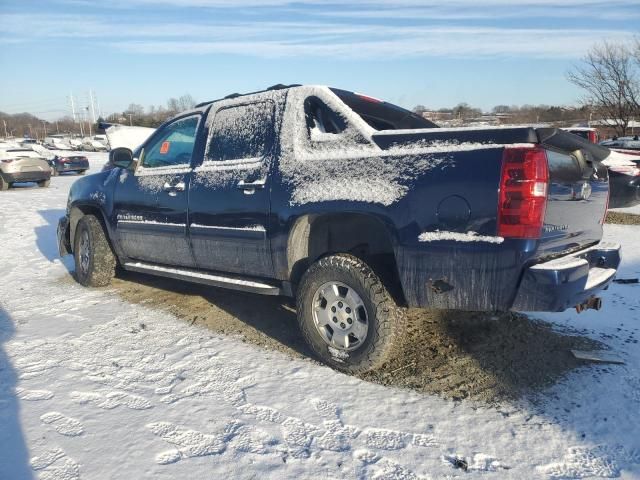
column 578, row 193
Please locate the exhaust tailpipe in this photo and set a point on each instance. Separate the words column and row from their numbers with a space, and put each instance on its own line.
column 592, row 303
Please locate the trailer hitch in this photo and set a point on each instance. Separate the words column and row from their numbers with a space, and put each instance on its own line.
column 592, row 303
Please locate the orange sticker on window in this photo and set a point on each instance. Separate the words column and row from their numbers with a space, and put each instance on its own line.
column 164, row 148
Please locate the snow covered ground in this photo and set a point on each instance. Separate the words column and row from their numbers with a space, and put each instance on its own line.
column 92, row 387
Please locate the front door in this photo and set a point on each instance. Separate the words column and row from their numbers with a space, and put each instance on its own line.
column 151, row 204
column 229, row 192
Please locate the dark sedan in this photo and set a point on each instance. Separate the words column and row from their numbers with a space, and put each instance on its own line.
column 69, row 163
column 625, row 181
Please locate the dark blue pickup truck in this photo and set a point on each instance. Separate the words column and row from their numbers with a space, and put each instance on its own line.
column 356, row 208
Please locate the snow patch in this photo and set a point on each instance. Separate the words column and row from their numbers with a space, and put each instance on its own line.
column 457, row 237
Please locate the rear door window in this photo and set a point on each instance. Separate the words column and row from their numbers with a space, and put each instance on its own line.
column 241, row 131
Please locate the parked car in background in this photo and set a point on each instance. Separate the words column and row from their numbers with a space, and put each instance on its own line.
column 353, row 206
column 91, row 145
column 588, row 133
column 624, row 178
column 57, row 142
column 125, row 135
column 69, row 163
column 19, row 165
column 624, row 143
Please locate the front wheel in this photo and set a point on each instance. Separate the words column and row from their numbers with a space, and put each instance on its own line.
column 4, row 185
column 95, row 261
column 44, row 183
column 347, row 316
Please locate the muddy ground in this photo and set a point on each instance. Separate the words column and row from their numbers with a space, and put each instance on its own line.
column 452, row 354
column 623, row 218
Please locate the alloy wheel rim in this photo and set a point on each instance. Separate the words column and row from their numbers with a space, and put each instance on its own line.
column 340, row 316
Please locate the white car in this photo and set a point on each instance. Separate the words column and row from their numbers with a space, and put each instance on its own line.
column 19, row 165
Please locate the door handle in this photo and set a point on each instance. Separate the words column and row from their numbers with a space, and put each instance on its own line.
column 172, row 189
column 251, row 187
column 180, row 186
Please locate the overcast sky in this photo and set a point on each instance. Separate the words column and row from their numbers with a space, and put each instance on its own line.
column 437, row 53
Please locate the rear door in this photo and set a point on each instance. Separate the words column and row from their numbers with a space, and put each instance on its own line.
column 151, row 205
column 229, row 193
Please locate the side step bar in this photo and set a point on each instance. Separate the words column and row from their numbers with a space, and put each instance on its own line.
column 194, row 276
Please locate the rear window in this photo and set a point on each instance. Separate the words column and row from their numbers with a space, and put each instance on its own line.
column 382, row 115
column 241, row 131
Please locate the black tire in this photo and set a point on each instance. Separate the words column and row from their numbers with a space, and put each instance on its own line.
column 98, row 268
column 81, row 172
column 4, row 185
column 44, row 183
column 386, row 322
column 54, row 172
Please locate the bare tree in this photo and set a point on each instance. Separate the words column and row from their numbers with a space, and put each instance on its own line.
column 177, row 105
column 610, row 75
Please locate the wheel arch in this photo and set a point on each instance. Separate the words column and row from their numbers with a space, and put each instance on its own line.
column 78, row 211
column 363, row 235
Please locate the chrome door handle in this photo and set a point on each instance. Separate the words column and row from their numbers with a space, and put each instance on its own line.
column 251, row 187
column 242, row 185
column 172, row 189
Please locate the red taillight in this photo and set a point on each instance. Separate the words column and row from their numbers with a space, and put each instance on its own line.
column 64, row 160
column 593, row 137
column 523, row 192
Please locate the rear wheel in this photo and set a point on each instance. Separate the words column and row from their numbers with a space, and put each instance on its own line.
column 95, row 261
column 81, row 172
column 347, row 316
column 44, row 183
column 4, row 185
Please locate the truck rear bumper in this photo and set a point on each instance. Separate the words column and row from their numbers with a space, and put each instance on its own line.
column 568, row 281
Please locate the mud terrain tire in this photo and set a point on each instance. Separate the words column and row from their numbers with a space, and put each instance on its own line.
column 4, row 185
column 95, row 261
column 385, row 321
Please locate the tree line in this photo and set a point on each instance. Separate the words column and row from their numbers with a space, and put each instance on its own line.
column 26, row 124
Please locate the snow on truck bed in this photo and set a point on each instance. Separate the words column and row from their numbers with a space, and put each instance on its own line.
column 94, row 387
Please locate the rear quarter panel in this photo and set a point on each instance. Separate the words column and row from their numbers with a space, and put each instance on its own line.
column 459, row 195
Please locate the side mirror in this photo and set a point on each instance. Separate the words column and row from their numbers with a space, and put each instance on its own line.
column 121, row 157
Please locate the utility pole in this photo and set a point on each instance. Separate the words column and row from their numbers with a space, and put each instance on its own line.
column 130, row 121
column 93, row 108
column 5, row 129
column 73, row 111
column 30, row 132
column 87, row 108
column 44, row 127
